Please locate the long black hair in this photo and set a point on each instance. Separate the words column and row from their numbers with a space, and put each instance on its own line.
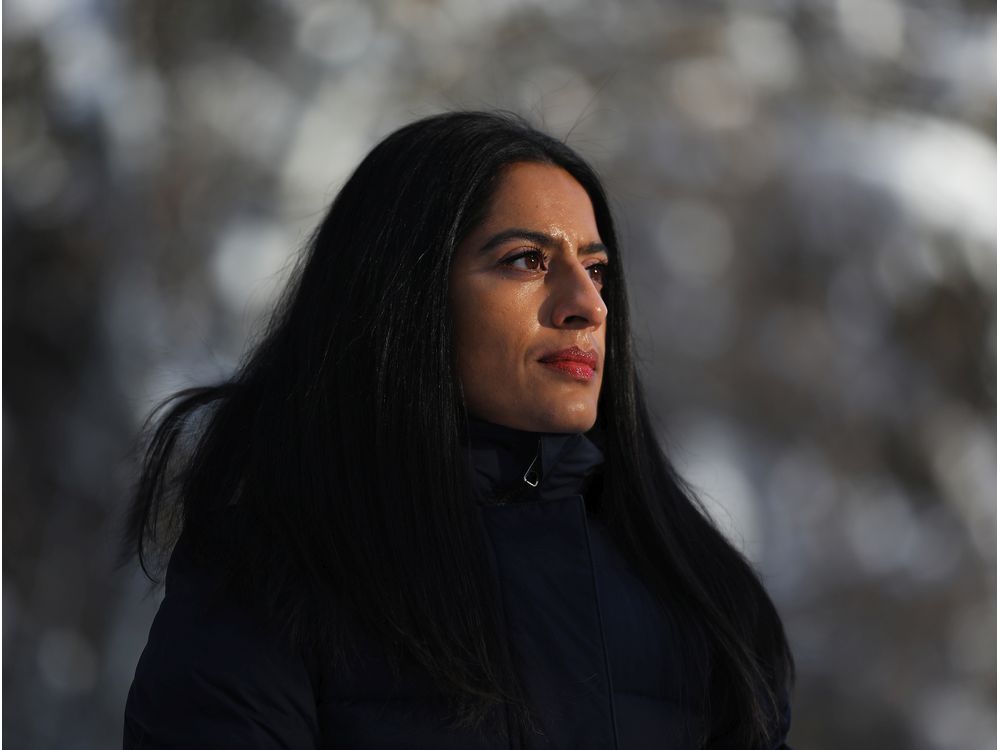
column 325, row 478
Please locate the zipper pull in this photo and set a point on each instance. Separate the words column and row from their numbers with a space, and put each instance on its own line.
column 531, row 476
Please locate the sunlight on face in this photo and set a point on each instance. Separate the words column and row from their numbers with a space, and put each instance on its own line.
column 525, row 293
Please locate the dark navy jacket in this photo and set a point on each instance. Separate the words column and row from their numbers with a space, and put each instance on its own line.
column 599, row 657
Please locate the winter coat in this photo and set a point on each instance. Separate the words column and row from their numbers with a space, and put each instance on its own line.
column 592, row 647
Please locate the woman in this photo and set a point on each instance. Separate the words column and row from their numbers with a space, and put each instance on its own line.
column 429, row 510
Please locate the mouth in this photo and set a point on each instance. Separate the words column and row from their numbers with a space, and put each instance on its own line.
column 573, row 362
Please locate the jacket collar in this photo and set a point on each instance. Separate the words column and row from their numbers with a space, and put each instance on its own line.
column 514, row 465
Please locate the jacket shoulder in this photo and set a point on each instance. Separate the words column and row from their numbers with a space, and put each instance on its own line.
column 213, row 674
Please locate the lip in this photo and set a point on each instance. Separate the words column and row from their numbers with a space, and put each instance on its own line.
column 575, row 362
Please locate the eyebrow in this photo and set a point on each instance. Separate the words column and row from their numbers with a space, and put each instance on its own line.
column 538, row 238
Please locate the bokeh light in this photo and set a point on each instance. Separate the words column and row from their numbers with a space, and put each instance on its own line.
column 807, row 196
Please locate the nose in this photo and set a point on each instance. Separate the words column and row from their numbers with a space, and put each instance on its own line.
column 578, row 303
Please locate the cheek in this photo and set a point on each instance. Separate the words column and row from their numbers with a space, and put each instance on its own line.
column 489, row 337
column 476, row 332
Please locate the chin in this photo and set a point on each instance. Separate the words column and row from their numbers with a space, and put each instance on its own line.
column 539, row 415
column 572, row 420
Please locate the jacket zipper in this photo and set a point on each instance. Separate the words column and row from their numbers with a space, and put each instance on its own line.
column 529, row 481
column 600, row 623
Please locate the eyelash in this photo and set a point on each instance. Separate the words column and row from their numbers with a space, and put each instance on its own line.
column 544, row 259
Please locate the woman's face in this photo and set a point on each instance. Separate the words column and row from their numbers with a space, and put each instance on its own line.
column 525, row 293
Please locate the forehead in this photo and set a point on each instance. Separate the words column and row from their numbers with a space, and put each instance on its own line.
column 543, row 195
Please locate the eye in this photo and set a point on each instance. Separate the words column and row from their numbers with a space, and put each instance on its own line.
column 528, row 260
column 598, row 273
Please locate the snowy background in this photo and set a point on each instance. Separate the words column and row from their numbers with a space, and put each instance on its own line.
column 806, row 191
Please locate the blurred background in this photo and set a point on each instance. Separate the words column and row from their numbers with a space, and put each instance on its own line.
column 806, row 191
